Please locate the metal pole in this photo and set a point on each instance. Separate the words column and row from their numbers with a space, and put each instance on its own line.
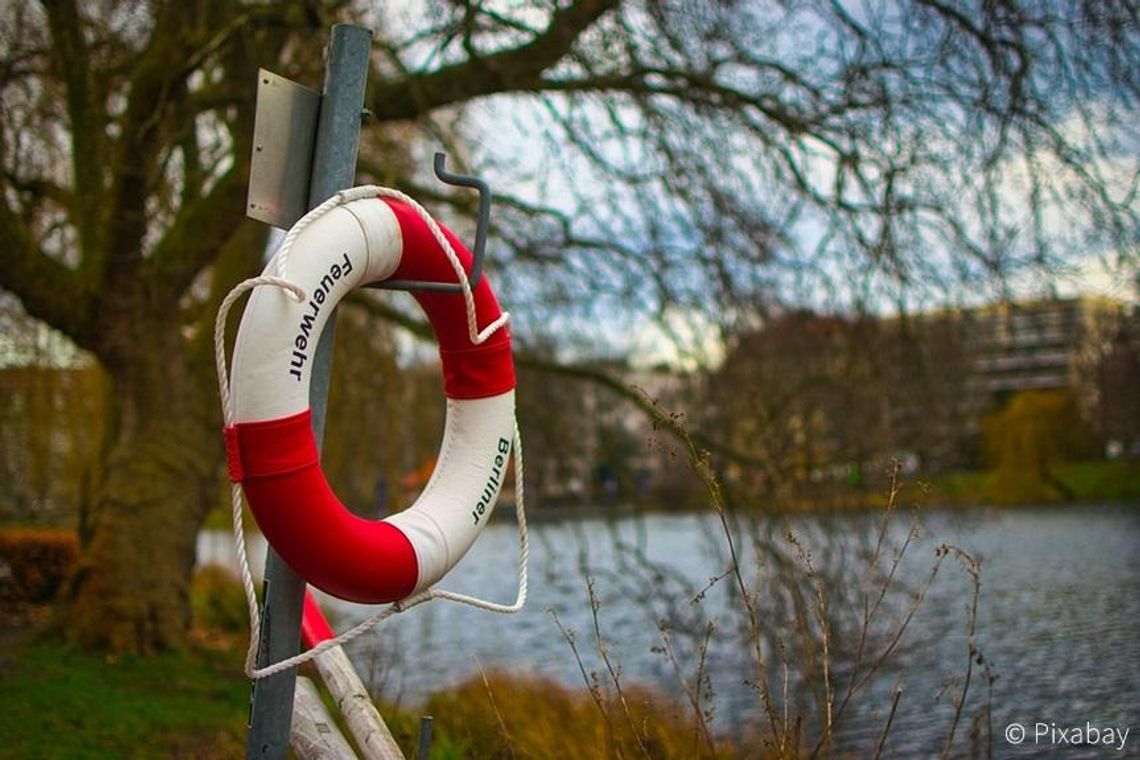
column 424, row 747
column 334, row 168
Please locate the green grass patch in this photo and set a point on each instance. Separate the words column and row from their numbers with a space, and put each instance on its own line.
column 1102, row 481
column 56, row 702
column 1089, row 481
column 957, row 488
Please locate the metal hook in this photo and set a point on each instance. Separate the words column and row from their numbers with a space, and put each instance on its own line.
column 456, row 180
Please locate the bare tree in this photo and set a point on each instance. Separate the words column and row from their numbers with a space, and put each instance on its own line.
column 720, row 152
column 824, row 403
column 695, row 151
column 124, row 148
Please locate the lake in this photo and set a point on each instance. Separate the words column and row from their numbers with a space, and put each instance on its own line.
column 1055, row 650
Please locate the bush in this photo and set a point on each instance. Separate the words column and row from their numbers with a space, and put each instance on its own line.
column 39, row 561
column 512, row 716
column 217, row 600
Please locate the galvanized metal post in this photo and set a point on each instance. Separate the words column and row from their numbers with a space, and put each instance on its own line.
column 334, row 168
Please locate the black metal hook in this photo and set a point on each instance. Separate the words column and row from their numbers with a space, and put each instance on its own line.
column 484, row 219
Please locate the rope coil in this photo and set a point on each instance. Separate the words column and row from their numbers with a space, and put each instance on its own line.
column 297, row 293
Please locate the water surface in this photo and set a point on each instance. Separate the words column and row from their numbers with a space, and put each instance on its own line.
column 1057, row 618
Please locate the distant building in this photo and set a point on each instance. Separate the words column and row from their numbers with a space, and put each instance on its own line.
column 1088, row 346
column 1040, row 345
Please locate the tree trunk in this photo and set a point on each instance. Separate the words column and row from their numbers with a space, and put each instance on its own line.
column 161, row 460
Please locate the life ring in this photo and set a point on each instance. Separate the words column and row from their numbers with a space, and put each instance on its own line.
column 270, row 446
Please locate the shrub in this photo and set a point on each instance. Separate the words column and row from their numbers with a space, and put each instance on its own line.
column 39, row 561
column 503, row 715
column 217, row 600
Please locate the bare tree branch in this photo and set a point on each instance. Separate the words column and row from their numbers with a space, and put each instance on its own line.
column 202, row 227
column 513, row 70
column 85, row 115
column 49, row 290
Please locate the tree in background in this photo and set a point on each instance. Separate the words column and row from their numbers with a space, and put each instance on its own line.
column 819, row 400
column 50, row 419
column 124, row 145
column 383, row 419
column 554, row 420
column 797, row 394
column 1027, row 438
column 696, row 153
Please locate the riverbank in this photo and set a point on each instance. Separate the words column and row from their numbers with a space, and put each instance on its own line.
column 1086, row 482
column 60, row 702
column 1070, row 483
column 56, row 702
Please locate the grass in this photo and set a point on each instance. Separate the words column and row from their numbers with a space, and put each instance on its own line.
column 56, row 702
column 1102, row 481
column 1089, row 481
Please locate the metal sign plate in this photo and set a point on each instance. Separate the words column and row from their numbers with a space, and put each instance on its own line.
column 284, row 134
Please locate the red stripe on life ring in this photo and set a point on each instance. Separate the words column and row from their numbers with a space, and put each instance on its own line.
column 468, row 371
column 306, row 524
column 315, row 626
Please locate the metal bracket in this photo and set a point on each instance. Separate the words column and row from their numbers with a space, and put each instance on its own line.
column 284, row 140
column 457, row 180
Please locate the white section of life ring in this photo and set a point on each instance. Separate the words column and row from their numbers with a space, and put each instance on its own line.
column 278, row 336
column 457, row 502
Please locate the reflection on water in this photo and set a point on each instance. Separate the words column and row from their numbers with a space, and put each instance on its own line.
column 1057, row 617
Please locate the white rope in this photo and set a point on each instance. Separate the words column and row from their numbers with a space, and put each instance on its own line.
column 299, row 226
column 477, row 337
column 227, row 417
column 220, row 331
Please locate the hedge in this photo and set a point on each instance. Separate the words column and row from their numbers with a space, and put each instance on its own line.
column 37, row 562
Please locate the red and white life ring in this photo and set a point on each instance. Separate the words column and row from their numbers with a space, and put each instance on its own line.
column 270, row 446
